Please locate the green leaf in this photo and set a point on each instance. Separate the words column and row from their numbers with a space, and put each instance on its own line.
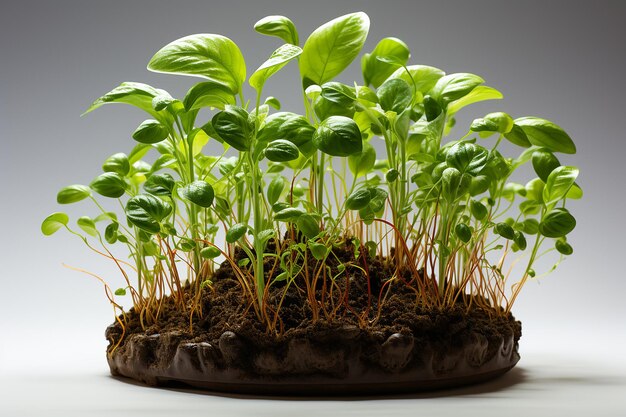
column 279, row 58
column 479, row 184
column 280, row 26
column 117, row 163
column 557, row 223
column 476, row 95
column 210, row 252
column 73, row 193
column 558, row 184
column 520, row 240
column 467, row 157
column 290, row 126
column 541, row 132
column 395, row 95
column 146, row 212
column 135, row 94
column 159, row 184
column 375, row 72
column 358, row 199
column 463, row 232
column 421, row 77
column 338, row 136
column 289, row 214
column 478, row 210
column 454, row 86
column 339, row 93
column 150, row 131
column 236, row 232
column 87, row 225
column 493, row 122
column 375, row 206
column 505, row 231
column 110, row 233
column 109, row 184
column 275, row 189
column 233, row 125
column 563, row 247
column 54, row 222
column 319, row 250
column 518, row 137
column 214, row 57
column 273, row 101
column 534, row 190
column 361, row 163
column 281, row 150
column 544, row 162
column 332, row 47
column 454, row 183
column 198, row 192
column 120, row 292
column 308, row 225
column 208, row 94
column 530, row 226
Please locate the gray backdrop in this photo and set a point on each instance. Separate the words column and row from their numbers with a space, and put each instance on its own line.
column 562, row 60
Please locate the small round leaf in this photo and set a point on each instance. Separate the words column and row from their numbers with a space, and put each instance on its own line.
column 73, row 194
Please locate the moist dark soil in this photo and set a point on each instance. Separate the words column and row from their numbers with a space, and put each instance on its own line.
column 397, row 339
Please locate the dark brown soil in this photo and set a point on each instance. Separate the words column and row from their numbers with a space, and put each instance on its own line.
column 395, row 340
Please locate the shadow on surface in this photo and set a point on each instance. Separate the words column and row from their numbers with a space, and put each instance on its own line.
column 512, row 378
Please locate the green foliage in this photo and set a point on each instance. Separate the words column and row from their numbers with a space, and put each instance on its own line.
column 283, row 188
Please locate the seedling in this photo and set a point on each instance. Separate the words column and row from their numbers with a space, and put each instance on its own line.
column 373, row 166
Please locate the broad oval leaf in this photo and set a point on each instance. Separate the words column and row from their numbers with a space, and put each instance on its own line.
column 73, row 193
column 463, row 232
column 338, row 136
column 290, row 126
column 478, row 94
column 236, row 232
column 118, row 163
column 520, row 240
column 478, row 210
column 454, row 86
column 557, row 223
column 493, row 122
column 544, row 162
column 234, row 127
column 361, row 163
column 467, row 157
column 558, row 184
column 109, row 184
column 275, row 189
column 504, row 230
column 280, row 26
column 208, row 94
column 563, row 247
column 421, row 77
column 54, row 222
column 358, row 199
column 395, row 95
column 289, row 214
column 146, row 212
column 211, row 56
column 198, row 192
column 87, row 225
column 281, row 150
column 135, row 94
column 159, row 184
column 542, row 132
column 518, row 137
column 150, row 131
column 210, row 252
column 308, row 225
column 332, row 47
column 375, row 71
column 279, row 58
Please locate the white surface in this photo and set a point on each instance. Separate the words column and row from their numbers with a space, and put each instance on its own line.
column 541, row 385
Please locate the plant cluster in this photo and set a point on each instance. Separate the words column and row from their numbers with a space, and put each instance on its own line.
column 289, row 189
